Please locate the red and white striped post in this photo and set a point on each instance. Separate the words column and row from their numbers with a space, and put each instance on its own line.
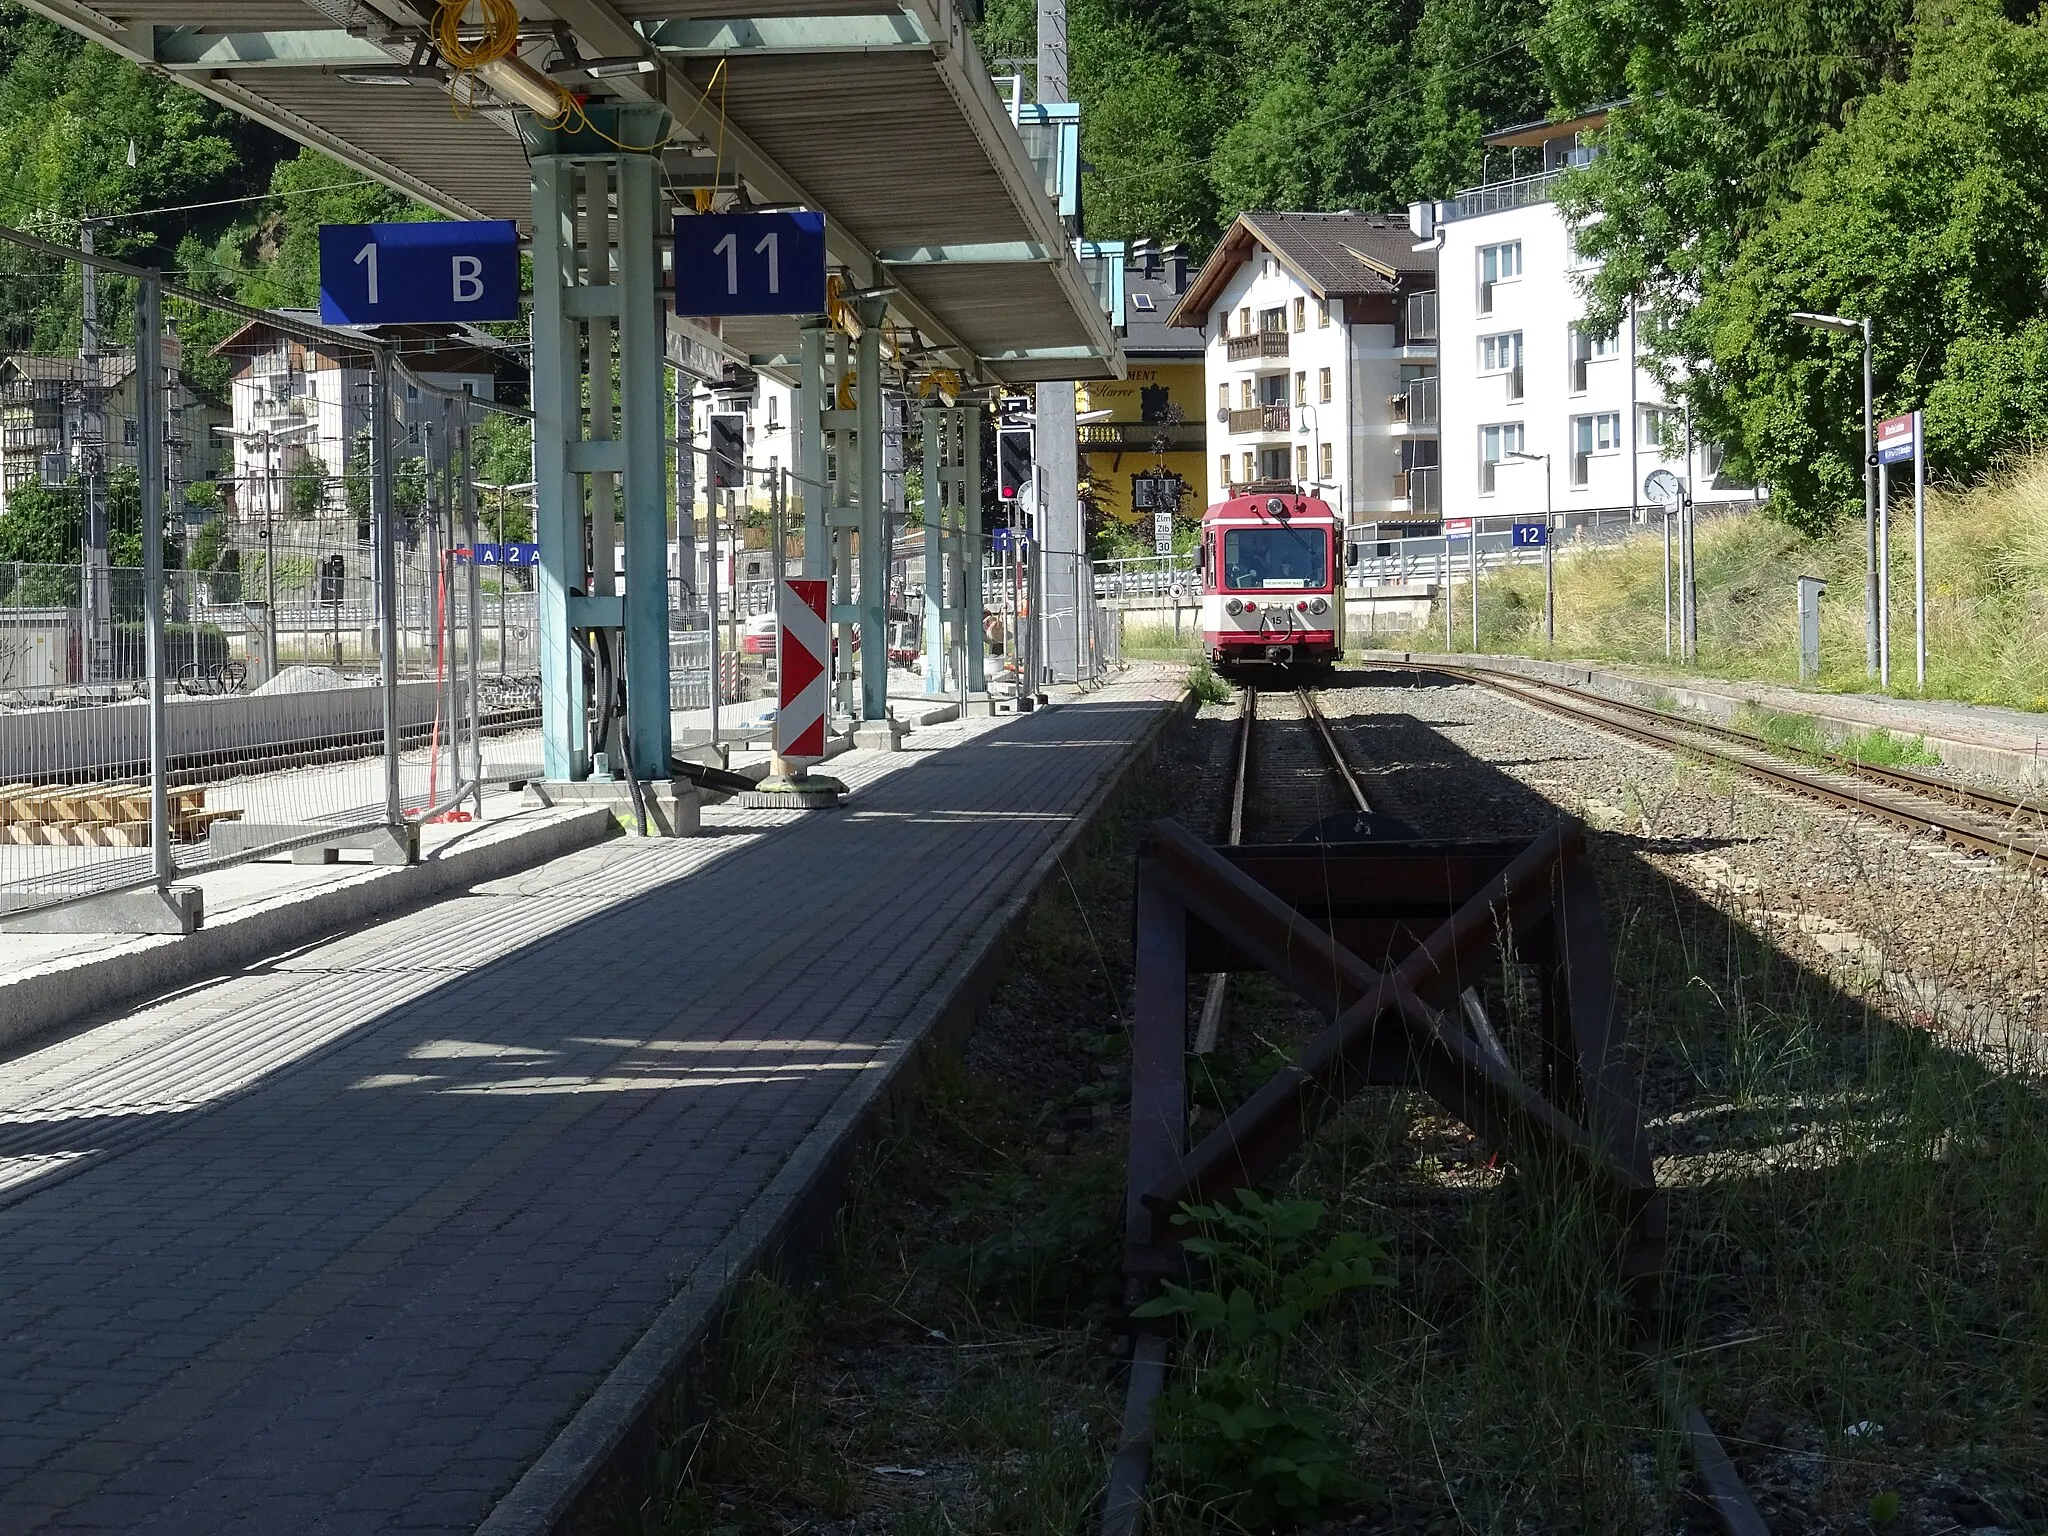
column 803, row 676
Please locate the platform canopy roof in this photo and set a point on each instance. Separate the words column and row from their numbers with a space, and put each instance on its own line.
column 879, row 113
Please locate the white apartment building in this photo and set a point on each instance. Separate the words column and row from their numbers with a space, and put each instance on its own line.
column 292, row 403
column 1320, row 364
column 1522, row 373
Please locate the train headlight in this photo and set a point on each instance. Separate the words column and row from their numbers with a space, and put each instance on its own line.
column 1233, row 607
column 1320, row 605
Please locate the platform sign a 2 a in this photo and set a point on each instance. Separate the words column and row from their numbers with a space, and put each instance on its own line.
column 750, row 263
column 400, row 274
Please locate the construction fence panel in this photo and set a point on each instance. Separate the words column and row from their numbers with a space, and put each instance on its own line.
column 338, row 638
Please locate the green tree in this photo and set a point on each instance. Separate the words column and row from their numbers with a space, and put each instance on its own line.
column 1726, row 101
column 1928, row 210
column 42, row 526
column 308, row 493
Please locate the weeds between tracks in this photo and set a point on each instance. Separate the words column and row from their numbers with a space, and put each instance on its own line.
column 1860, row 1212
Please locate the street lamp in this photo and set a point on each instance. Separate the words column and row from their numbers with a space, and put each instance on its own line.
column 1312, row 430
column 1871, row 596
column 269, row 436
column 504, row 488
column 1549, row 565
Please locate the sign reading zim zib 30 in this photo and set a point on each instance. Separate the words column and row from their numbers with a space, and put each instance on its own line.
column 396, row 274
column 750, row 264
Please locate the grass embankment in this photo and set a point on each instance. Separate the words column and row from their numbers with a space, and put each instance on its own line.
column 1987, row 591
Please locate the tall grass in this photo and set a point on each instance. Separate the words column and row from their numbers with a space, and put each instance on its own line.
column 1987, row 589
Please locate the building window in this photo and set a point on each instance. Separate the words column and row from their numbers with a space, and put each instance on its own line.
column 1664, row 429
column 1497, row 264
column 1503, row 354
column 1301, row 461
column 1301, row 387
column 1582, row 347
column 1496, row 443
column 1600, row 433
column 1323, row 386
column 1244, row 321
column 1266, row 267
column 1329, row 468
column 1710, row 462
column 1223, row 397
column 1272, row 463
column 1249, row 473
column 128, row 431
column 1274, row 319
column 1245, row 393
column 1222, row 469
column 1301, row 314
column 1322, row 314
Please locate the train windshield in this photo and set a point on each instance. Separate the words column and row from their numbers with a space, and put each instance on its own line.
column 1276, row 557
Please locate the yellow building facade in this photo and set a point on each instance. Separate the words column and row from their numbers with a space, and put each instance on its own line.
column 1126, row 443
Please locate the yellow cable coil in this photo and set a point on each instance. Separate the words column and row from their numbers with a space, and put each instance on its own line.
column 500, row 22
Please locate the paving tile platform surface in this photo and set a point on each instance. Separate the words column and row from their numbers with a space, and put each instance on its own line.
column 338, row 1243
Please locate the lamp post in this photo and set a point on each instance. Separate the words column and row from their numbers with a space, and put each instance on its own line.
column 1549, row 565
column 269, row 436
column 1311, row 429
column 1871, row 595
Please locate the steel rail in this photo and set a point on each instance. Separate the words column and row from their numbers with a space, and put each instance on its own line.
column 1210, row 1025
column 1913, row 802
column 1345, row 772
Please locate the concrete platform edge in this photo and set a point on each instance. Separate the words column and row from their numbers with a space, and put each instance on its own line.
column 45, row 1002
column 1964, row 757
column 626, row 1409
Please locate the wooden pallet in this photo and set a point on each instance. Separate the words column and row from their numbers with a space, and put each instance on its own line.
column 113, row 815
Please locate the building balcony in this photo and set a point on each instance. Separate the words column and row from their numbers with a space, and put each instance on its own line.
column 1416, row 407
column 1502, row 195
column 1421, row 488
column 1241, row 349
column 1420, row 319
column 1261, row 419
column 31, row 439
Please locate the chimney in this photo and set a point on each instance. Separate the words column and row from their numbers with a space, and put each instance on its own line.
column 1177, row 266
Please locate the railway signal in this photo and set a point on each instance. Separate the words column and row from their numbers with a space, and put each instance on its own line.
column 1013, row 461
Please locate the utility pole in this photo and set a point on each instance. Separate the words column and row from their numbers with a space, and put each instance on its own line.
column 92, row 442
column 1062, row 536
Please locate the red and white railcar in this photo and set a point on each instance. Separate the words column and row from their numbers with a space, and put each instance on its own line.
column 1271, row 564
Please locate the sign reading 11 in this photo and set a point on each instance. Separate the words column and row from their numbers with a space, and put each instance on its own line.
column 750, row 263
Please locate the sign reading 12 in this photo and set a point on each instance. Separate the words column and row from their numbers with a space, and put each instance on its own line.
column 750, row 263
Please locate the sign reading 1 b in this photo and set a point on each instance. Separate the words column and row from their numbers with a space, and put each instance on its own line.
column 750, row 264
column 385, row 274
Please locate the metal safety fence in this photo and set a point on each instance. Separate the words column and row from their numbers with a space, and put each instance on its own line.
column 247, row 604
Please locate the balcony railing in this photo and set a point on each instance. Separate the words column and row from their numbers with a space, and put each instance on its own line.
column 1421, row 488
column 24, row 439
column 1421, row 317
column 1259, row 344
column 1500, row 195
column 1262, row 418
column 1416, row 407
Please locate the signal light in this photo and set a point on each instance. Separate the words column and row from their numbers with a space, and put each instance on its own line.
column 1013, row 461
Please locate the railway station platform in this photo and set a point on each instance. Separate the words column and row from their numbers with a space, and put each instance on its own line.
column 403, row 1229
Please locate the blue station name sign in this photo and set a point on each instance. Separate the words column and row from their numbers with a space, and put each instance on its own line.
column 395, row 274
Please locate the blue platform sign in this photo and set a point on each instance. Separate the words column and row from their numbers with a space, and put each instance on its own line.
column 504, row 554
column 1007, row 541
column 1531, row 535
column 750, row 264
column 396, row 274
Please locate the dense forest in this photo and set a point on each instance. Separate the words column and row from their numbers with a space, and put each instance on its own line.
column 1880, row 157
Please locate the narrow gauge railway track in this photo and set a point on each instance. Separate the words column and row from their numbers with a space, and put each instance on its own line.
column 1978, row 819
column 1297, row 759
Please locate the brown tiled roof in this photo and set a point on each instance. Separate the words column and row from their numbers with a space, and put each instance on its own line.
column 1335, row 256
column 114, row 367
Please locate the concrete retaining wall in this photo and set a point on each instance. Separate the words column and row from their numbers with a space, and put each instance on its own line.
column 113, row 739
